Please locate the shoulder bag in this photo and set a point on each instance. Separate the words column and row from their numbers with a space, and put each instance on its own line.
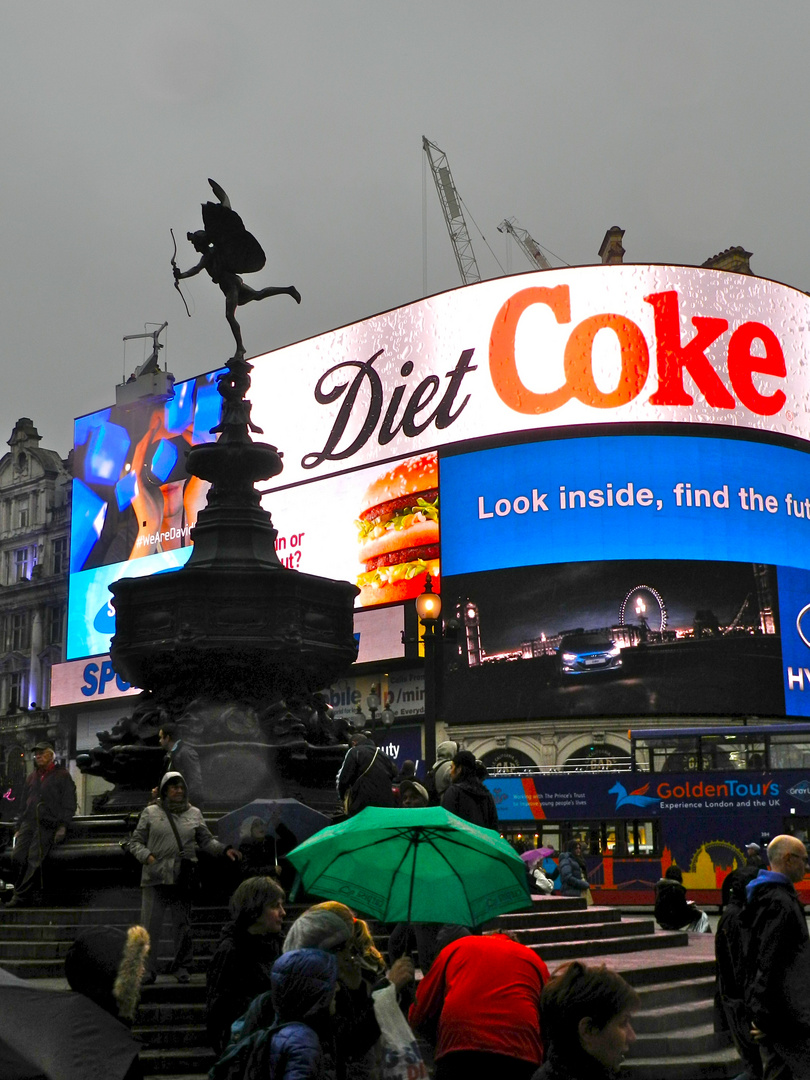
column 187, row 879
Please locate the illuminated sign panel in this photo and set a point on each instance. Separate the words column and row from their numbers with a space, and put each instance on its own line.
column 617, row 451
column 594, row 345
column 82, row 681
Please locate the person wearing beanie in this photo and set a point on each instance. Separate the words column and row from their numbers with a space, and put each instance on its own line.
column 754, row 857
column 167, row 836
column 466, row 796
column 412, row 795
column 439, row 775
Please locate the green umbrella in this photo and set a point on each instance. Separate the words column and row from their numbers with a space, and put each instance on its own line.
column 420, row 865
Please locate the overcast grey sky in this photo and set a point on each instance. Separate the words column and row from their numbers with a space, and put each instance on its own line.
column 684, row 123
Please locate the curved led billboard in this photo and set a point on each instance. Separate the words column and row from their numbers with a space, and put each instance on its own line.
column 604, row 467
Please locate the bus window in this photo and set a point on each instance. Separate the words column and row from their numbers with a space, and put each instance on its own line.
column 617, row 838
column 732, row 752
column 550, row 836
column 677, row 755
column 788, row 753
column 642, row 758
column 642, row 838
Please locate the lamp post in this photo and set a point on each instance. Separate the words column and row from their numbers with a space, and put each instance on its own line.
column 429, row 610
column 373, row 703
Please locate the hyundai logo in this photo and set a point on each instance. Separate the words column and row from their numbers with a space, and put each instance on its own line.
column 799, row 618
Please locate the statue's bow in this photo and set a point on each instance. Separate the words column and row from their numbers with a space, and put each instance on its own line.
column 174, row 267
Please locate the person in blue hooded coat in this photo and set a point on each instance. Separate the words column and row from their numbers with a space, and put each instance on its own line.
column 298, row 1045
column 303, row 988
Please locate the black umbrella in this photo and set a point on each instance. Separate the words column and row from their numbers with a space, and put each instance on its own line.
column 60, row 1035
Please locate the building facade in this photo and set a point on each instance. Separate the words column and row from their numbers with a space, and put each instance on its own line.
column 35, row 491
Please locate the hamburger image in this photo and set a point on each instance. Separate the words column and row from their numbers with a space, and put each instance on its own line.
column 398, row 532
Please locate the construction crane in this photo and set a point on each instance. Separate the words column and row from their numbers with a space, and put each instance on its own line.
column 453, row 214
column 523, row 239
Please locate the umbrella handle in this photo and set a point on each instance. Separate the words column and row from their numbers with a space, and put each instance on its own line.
column 296, row 885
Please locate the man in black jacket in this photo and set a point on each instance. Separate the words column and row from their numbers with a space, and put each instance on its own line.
column 183, row 758
column 777, row 989
column 366, row 776
column 48, row 806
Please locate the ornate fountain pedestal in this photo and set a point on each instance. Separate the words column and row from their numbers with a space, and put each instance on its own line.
column 233, row 646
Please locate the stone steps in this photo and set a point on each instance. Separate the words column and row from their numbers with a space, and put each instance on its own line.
column 721, row 1064
column 589, row 949
column 178, row 1036
column 578, row 917
column 672, row 971
column 542, row 935
column 166, row 1013
column 662, row 996
column 693, row 1040
column 194, row 1061
column 675, row 1024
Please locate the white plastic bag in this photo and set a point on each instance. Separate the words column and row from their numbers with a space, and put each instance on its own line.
column 400, row 1056
column 542, row 881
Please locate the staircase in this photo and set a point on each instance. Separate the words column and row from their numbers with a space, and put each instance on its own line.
column 672, row 972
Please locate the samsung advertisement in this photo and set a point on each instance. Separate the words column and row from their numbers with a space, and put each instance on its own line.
column 604, row 470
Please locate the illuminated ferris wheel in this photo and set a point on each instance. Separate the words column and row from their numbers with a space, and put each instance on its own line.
column 640, row 605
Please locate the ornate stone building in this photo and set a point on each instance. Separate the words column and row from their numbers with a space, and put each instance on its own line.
column 34, row 556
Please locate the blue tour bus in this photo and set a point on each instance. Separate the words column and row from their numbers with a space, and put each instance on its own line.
column 695, row 796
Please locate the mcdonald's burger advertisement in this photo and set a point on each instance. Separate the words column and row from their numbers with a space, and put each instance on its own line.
column 604, row 470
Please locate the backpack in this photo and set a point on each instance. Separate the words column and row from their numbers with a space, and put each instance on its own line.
column 247, row 1059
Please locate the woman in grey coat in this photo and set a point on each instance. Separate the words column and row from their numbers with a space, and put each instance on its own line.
column 155, row 846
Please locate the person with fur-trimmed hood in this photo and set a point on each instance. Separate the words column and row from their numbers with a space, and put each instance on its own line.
column 106, row 964
column 168, row 834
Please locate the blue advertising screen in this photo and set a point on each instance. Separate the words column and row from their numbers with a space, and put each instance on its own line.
column 625, row 497
column 134, row 504
column 629, row 574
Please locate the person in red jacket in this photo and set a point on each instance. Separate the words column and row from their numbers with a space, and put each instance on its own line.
column 48, row 806
column 480, row 1003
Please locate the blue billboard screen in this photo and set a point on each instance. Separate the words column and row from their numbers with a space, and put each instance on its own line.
column 625, row 497
column 628, row 574
column 134, row 504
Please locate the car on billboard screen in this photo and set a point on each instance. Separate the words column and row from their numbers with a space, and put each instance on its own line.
column 580, row 654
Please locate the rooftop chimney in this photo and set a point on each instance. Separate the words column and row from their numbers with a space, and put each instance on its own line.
column 735, row 259
column 611, row 252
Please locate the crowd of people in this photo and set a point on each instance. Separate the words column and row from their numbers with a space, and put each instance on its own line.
column 321, row 1001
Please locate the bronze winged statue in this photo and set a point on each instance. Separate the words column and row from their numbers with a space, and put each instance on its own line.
column 227, row 250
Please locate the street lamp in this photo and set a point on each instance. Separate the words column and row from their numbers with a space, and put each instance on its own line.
column 429, row 610
column 373, row 703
